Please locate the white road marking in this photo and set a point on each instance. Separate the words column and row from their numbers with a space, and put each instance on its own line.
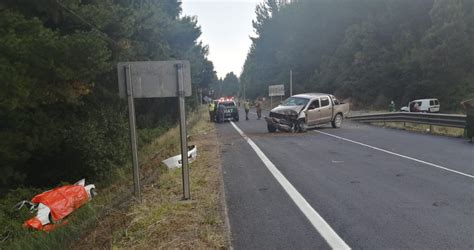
column 316, row 220
column 399, row 155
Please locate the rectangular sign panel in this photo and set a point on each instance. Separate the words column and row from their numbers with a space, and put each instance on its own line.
column 276, row 90
column 154, row 78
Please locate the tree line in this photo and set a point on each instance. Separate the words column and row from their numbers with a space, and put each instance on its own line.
column 370, row 51
column 227, row 86
column 60, row 115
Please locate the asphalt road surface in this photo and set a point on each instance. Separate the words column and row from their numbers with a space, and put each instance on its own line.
column 359, row 186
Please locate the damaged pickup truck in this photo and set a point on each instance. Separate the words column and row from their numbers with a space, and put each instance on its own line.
column 303, row 111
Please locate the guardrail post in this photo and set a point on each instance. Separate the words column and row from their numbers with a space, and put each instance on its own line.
column 431, row 125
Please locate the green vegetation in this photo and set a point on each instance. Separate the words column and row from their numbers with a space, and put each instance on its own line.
column 370, row 51
column 229, row 86
column 61, row 118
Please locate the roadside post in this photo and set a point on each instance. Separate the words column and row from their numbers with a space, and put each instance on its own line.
column 152, row 79
column 133, row 132
column 291, row 83
column 183, row 132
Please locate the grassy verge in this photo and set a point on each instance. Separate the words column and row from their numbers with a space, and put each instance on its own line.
column 423, row 128
column 108, row 219
column 162, row 219
column 111, row 193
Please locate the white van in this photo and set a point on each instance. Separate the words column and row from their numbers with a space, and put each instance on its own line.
column 422, row 105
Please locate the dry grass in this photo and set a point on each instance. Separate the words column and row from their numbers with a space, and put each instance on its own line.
column 423, row 128
column 163, row 220
column 115, row 200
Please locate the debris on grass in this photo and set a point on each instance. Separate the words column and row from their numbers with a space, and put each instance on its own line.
column 175, row 161
column 53, row 206
column 163, row 219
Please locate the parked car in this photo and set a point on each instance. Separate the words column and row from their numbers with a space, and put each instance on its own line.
column 422, row 105
column 303, row 111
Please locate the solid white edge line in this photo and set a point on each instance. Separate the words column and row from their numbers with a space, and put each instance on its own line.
column 399, row 155
column 331, row 237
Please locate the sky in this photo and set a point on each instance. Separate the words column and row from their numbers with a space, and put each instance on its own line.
column 226, row 26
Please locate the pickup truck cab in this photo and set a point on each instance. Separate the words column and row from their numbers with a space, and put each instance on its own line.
column 303, row 111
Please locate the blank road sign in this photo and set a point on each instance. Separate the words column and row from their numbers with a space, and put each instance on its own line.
column 154, row 78
column 276, row 90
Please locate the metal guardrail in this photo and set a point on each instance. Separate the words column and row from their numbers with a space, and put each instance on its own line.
column 447, row 120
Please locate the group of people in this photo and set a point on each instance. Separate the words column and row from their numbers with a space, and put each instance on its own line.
column 216, row 112
column 258, row 108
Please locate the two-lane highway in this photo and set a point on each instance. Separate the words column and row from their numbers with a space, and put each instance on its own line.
column 359, row 186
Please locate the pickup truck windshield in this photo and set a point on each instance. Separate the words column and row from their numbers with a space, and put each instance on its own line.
column 295, row 101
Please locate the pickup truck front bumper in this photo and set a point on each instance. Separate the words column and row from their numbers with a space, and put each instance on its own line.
column 280, row 124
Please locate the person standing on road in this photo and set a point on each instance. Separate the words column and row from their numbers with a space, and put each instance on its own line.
column 212, row 111
column 469, row 106
column 247, row 109
column 258, row 106
column 391, row 106
column 220, row 112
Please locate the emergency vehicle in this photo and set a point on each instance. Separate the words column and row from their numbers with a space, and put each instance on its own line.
column 231, row 111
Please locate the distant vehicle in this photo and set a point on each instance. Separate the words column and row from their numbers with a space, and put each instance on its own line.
column 422, row 105
column 231, row 111
column 303, row 111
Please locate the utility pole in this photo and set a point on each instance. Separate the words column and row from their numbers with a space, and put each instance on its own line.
column 291, row 82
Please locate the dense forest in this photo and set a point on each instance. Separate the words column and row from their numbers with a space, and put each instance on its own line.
column 60, row 115
column 227, row 86
column 370, row 51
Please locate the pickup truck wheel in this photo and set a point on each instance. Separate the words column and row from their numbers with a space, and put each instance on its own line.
column 302, row 126
column 271, row 128
column 236, row 118
column 337, row 121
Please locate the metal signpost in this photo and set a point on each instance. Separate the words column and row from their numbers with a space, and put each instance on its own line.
column 182, row 131
column 291, row 83
column 133, row 131
column 275, row 90
column 150, row 80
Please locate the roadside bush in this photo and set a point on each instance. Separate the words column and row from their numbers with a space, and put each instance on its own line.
column 85, row 142
column 10, row 219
